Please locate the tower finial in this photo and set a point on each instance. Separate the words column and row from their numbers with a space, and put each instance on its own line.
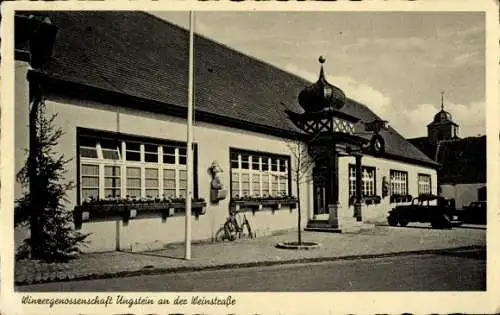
column 442, row 100
column 322, row 60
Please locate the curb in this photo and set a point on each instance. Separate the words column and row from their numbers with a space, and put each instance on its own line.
column 304, row 246
column 472, row 227
column 43, row 279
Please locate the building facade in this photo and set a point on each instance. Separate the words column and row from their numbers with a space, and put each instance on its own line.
column 119, row 92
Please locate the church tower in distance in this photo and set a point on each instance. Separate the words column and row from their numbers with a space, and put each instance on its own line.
column 442, row 127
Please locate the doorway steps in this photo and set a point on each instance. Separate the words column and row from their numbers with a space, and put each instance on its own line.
column 347, row 226
column 321, row 226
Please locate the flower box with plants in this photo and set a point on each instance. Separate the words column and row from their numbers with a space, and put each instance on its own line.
column 370, row 200
column 401, row 198
column 124, row 206
column 258, row 202
column 198, row 205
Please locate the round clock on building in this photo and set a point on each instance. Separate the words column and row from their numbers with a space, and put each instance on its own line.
column 377, row 144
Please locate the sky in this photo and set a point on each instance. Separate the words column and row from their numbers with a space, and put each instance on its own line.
column 396, row 63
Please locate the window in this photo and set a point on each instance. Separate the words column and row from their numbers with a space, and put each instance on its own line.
column 133, row 151
column 169, row 155
column 399, row 183
column 112, row 184
column 111, row 149
column 88, row 147
column 134, row 182
column 169, row 183
column 424, row 184
column 367, row 181
column 114, row 167
column 258, row 174
column 182, row 183
column 90, row 181
column 151, row 153
column 152, row 183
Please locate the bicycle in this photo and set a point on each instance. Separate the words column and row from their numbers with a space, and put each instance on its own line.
column 232, row 229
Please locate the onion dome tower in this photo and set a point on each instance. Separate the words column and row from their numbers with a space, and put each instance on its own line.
column 322, row 102
column 321, row 95
column 442, row 127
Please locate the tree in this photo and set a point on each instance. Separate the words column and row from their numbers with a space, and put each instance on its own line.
column 303, row 159
column 52, row 236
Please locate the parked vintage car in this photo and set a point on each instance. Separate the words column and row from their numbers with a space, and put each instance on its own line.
column 474, row 213
column 438, row 211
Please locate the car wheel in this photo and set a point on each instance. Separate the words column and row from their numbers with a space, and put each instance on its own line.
column 447, row 221
column 392, row 221
column 437, row 224
column 403, row 222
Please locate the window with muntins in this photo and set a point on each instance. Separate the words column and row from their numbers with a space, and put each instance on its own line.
column 367, row 181
column 259, row 174
column 120, row 166
column 424, row 184
column 399, row 182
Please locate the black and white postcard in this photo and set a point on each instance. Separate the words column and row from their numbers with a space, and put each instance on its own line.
column 213, row 158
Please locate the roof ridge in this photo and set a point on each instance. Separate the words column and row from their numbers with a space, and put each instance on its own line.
column 226, row 46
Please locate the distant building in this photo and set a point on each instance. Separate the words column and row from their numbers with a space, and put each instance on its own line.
column 462, row 175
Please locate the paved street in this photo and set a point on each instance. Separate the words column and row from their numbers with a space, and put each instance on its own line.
column 449, row 270
column 380, row 240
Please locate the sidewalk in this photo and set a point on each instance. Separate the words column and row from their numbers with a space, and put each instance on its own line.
column 379, row 241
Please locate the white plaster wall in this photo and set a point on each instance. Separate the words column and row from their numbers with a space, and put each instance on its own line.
column 378, row 213
column 462, row 193
column 213, row 144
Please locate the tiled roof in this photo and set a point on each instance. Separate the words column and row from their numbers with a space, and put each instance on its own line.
column 424, row 145
column 463, row 160
column 140, row 55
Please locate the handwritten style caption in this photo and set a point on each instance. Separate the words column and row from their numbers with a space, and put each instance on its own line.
column 130, row 301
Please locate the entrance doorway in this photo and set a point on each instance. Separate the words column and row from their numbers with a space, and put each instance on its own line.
column 320, row 180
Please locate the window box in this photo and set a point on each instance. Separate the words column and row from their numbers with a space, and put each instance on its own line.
column 129, row 208
column 370, row 200
column 401, row 198
column 252, row 204
column 198, row 206
column 260, row 202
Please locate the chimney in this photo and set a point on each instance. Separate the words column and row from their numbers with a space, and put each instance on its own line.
column 41, row 41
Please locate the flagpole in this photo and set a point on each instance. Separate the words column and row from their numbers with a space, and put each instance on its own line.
column 189, row 150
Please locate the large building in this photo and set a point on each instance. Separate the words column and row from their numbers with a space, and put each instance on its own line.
column 118, row 82
column 462, row 172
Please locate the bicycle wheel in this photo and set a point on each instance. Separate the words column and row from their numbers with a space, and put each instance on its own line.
column 221, row 235
column 246, row 230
